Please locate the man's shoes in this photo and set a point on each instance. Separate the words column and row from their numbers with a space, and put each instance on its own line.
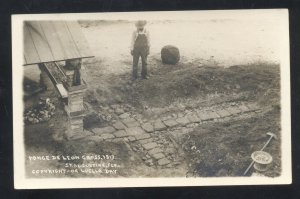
column 145, row 77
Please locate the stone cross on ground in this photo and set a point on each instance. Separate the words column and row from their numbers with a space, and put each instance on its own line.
column 156, row 140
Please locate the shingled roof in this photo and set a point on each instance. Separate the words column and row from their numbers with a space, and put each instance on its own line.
column 48, row 41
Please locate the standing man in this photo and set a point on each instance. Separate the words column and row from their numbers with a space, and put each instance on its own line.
column 140, row 47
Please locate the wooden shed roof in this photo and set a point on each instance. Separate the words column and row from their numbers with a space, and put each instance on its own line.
column 48, row 41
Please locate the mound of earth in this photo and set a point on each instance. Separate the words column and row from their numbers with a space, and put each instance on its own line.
column 170, row 83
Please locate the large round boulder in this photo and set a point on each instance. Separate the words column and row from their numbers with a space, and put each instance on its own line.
column 170, row 54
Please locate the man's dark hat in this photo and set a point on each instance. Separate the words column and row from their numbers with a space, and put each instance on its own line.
column 140, row 23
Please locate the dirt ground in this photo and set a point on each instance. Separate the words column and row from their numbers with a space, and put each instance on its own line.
column 209, row 74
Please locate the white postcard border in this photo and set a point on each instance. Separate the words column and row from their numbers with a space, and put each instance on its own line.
column 21, row 182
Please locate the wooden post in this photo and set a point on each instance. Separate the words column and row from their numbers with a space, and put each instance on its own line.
column 72, row 71
column 45, row 81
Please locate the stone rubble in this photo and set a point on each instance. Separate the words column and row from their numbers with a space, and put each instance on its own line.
column 42, row 112
column 148, row 127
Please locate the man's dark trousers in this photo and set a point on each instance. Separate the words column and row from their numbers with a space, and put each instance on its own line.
column 137, row 53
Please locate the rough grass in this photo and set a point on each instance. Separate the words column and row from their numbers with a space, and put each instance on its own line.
column 169, row 83
column 225, row 149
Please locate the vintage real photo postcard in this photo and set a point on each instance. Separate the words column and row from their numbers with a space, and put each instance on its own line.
column 137, row 99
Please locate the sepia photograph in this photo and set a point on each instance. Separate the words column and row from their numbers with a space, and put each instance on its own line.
column 188, row 98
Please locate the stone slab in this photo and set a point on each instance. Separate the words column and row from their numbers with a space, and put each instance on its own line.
column 145, row 141
column 210, row 115
column 170, row 123
column 150, row 145
column 203, row 115
column 118, row 140
column 108, row 129
column 75, row 121
column 115, row 106
column 159, row 125
column 142, row 136
column 148, row 127
column 193, row 118
column 214, row 114
column 233, row 110
column 120, row 133
column 119, row 111
column 158, row 156
column 135, row 131
column 124, row 115
column 223, row 113
column 244, row 108
column 87, row 133
column 94, row 138
column 130, row 122
column 207, row 115
column 107, row 136
column 183, row 120
column 253, row 107
column 77, row 89
column 168, row 117
column 133, row 124
column 75, row 98
column 75, row 107
column 75, row 136
column 131, row 138
column 163, row 161
column 77, row 126
column 119, row 125
column 74, row 113
column 154, row 151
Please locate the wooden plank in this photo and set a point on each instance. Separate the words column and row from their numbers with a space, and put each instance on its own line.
column 59, row 86
column 52, row 38
column 78, row 38
column 49, row 41
column 40, row 42
column 48, row 71
column 62, row 91
column 66, row 40
column 30, row 53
